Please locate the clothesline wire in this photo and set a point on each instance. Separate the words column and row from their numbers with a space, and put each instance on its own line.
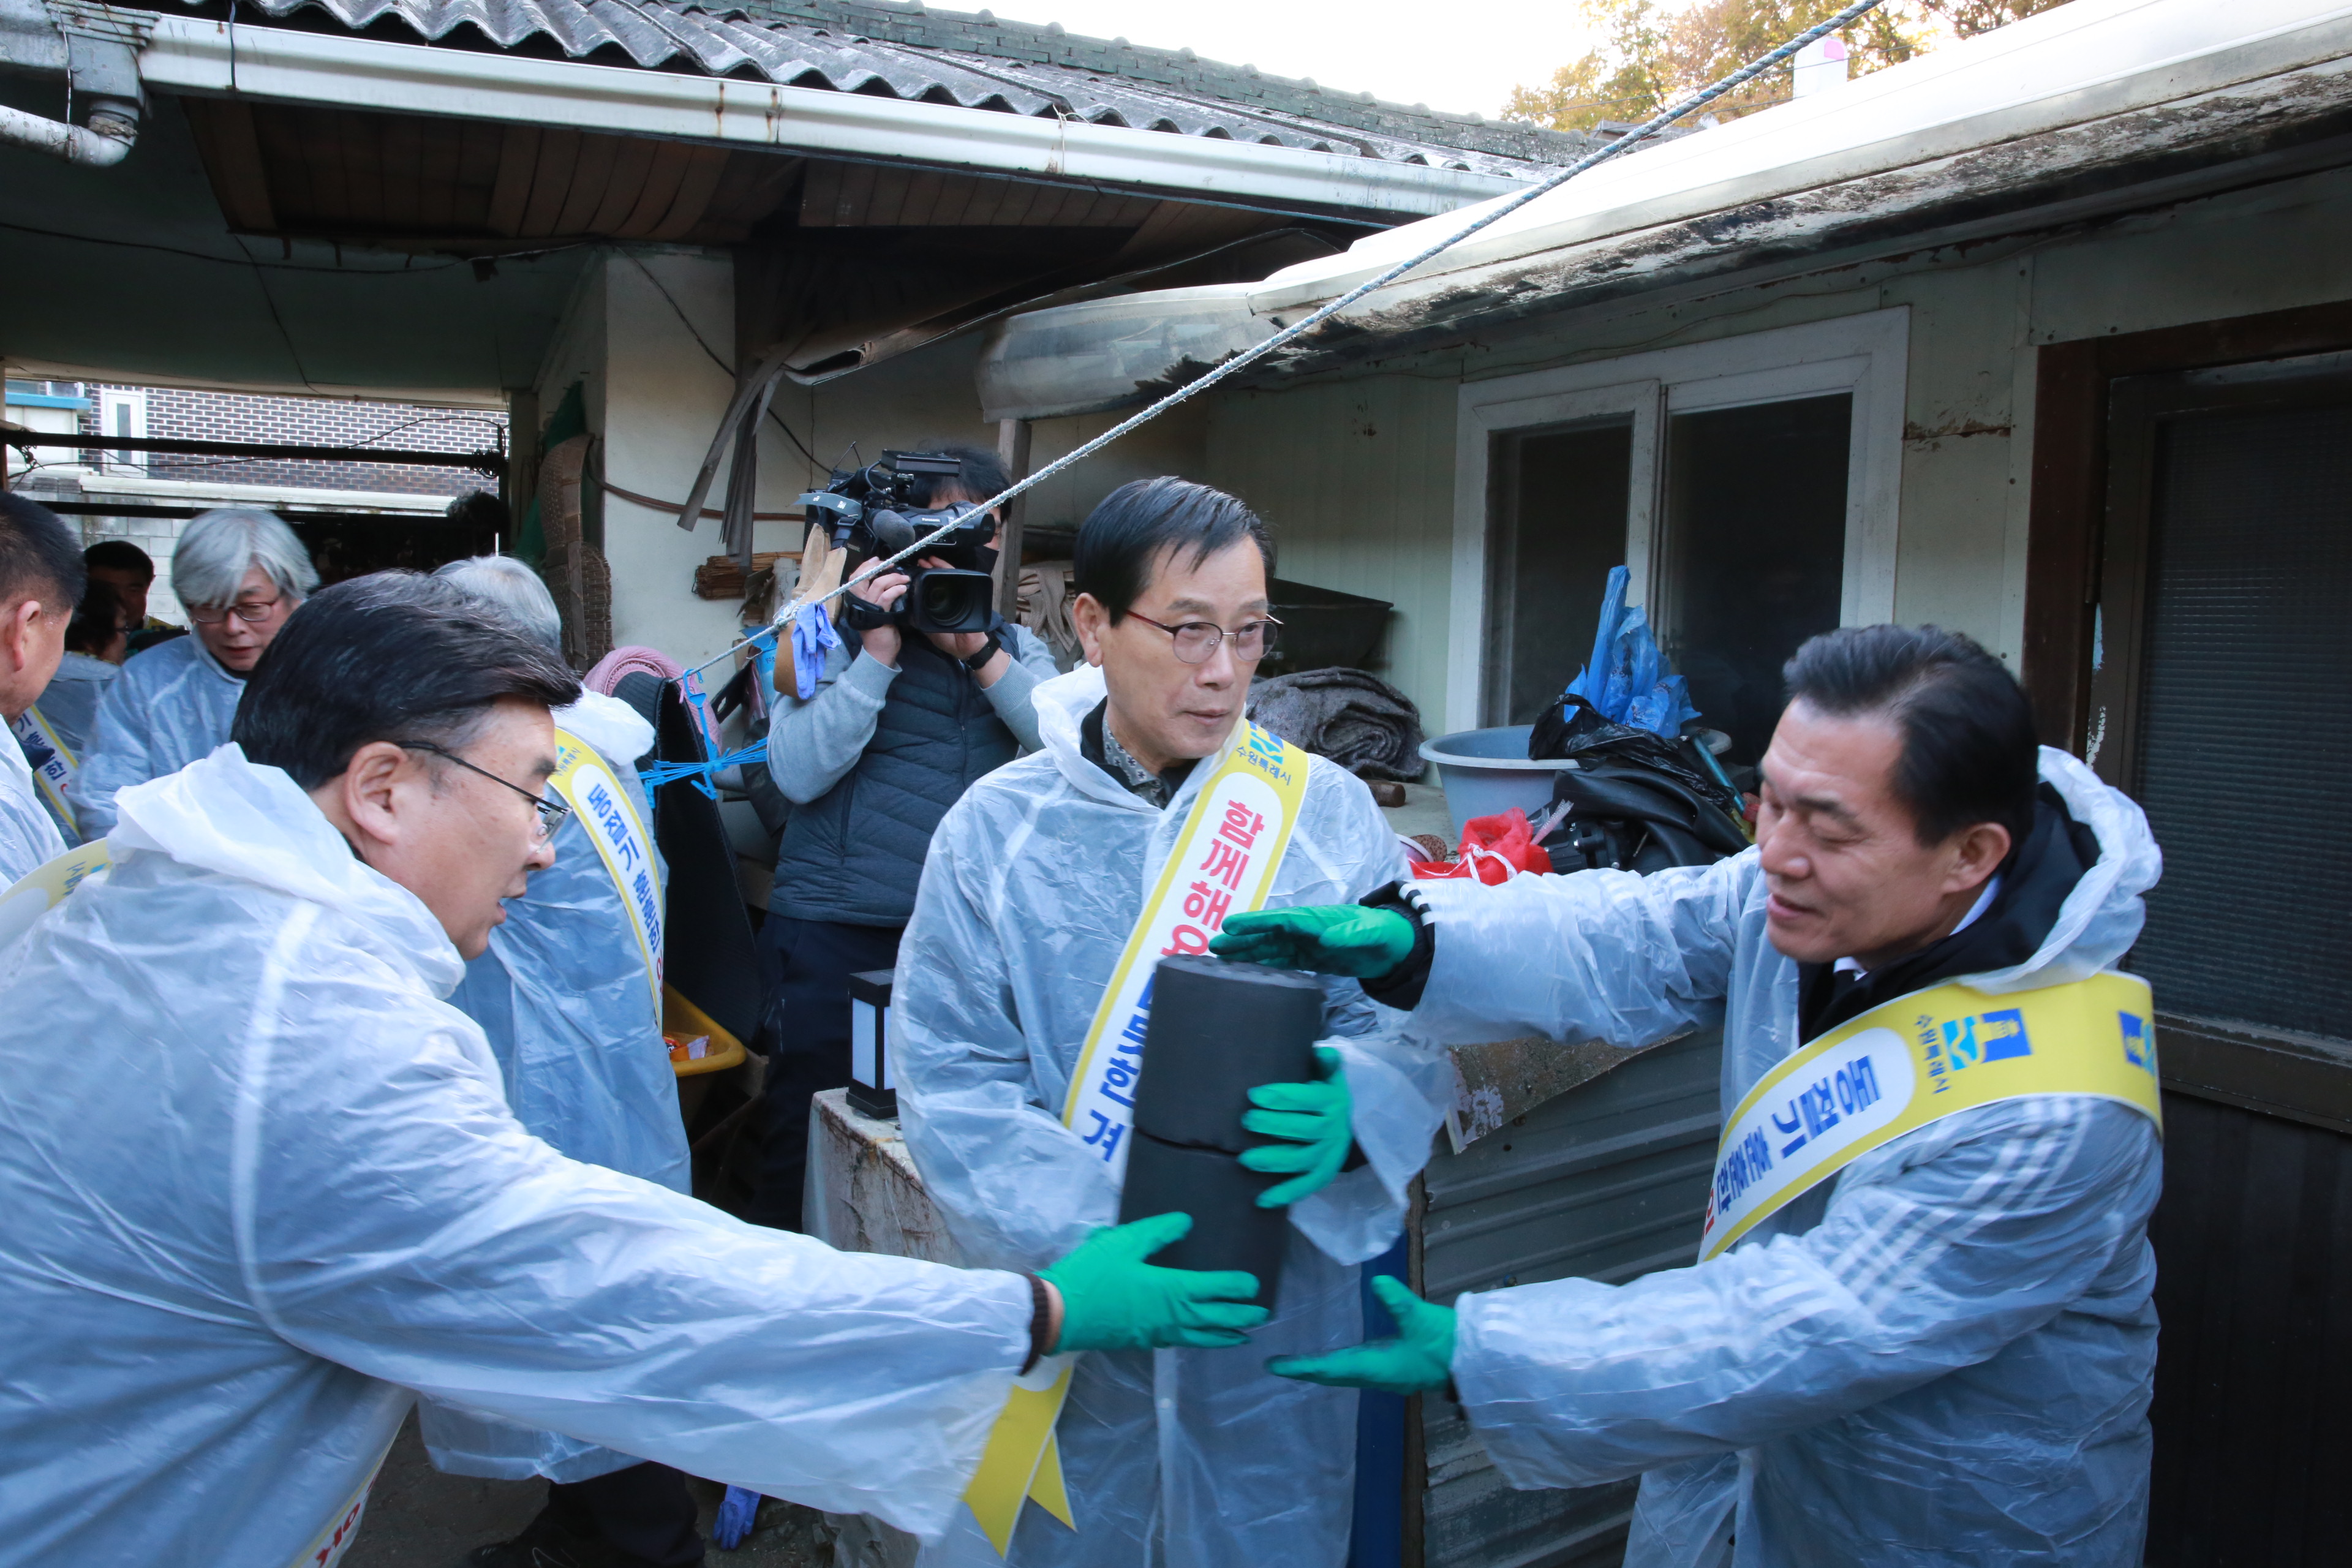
column 1307, row 323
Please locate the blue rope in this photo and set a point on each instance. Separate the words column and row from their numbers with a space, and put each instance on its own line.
column 656, row 774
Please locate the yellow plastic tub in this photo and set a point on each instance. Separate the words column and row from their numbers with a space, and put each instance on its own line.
column 683, row 1019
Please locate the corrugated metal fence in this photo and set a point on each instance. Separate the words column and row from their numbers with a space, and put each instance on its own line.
column 2253, row 1375
column 1608, row 1181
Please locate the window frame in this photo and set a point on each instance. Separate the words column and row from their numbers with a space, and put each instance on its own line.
column 2138, row 406
column 134, row 400
column 1867, row 355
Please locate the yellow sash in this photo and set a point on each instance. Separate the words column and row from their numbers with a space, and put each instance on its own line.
column 328, row 1547
column 1917, row 1059
column 40, row 890
column 585, row 783
column 54, row 774
column 1224, row 861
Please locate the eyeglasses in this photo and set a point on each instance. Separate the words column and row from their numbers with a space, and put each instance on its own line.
column 1196, row 641
column 256, row 611
column 551, row 811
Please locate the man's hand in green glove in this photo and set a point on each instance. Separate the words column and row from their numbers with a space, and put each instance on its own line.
column 1315, row 1118
column 1419, row 1359
column 1113, row 1300
column 1330, row 939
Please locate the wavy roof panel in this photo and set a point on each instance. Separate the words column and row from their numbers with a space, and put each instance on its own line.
column 995, row 67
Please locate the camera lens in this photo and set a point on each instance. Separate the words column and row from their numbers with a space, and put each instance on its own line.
column 940, row 600
column 950, row 601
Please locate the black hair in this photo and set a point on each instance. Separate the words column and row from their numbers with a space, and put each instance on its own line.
column 98, row 619
column 395, row 656
column 1970, row 752
column 984, row 476
column 1125, row 535
column 483, row 512
column 39, row 557
column 121, row 555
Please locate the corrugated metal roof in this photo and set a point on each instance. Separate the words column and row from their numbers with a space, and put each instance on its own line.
column 1005, row 67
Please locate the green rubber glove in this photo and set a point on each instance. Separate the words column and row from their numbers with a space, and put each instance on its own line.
column 1113, row 1300
column 1419, row 1359
column 1330, row 939
column 1317, row 1120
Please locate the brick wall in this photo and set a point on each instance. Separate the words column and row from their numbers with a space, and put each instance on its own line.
column 326, row 421
column 158, row 536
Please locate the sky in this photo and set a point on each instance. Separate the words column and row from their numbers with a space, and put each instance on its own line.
column 1388, row 48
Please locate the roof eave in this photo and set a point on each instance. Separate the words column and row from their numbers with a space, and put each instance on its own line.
column 2250, row 133
column 196, row 55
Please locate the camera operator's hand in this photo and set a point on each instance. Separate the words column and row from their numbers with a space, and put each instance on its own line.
column 883, row 593
column 963, row 645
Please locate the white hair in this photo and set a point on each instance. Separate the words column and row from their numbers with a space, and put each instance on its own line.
column 512, row 589
column 211, row 559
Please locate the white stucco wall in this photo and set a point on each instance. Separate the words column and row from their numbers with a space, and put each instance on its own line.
column 1356, row 479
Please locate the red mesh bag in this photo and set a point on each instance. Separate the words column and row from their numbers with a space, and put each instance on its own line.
column 1494, row 850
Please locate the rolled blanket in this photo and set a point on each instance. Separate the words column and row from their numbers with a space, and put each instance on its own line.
column 607, row 672
column 1359, row 720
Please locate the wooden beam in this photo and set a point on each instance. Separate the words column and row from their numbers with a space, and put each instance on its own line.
column 232, row 156
column 2068, row 482
column 657, row 193
column 632, row 165
column 488, row 462
column 522, row 453
column 1012, row 440
column 550, row 182
column 590, row 175
column 707, row 166
column 510, row 192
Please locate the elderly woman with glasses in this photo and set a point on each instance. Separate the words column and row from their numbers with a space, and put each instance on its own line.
column 240, row 574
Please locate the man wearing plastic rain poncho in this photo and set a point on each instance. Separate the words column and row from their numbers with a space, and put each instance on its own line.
column 275, row 1185
column 96, row 642
column 565, row 997
column 240, row 574
column 40, row 582
column 1943, row 1354
column 1197, row 1458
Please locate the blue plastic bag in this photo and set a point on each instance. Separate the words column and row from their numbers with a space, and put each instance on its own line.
column 1628, row 680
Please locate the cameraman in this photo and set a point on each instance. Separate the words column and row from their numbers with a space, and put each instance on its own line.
column 900, row 725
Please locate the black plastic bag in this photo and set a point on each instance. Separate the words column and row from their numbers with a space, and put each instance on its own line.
column 1635, row 801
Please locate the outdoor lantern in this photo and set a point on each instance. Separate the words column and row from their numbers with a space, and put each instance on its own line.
column 872, row 1090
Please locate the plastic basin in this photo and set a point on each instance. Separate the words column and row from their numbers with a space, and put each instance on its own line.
column 1486, row 771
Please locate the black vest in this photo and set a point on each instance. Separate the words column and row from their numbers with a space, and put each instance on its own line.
column 855, row 853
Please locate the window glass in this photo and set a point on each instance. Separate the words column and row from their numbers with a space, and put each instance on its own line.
column 1558, row 525
column 2244, row 745
column 1753, row 552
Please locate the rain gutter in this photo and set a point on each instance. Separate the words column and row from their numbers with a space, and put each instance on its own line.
column 191, row 55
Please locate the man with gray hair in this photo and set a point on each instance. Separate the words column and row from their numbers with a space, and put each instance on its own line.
column 568, row 994
column 240, row 574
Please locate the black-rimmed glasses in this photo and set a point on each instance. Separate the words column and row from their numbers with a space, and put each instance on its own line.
column 1196, row 641
column 551, row 811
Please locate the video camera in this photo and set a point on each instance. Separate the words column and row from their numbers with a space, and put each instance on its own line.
column 872, row 513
